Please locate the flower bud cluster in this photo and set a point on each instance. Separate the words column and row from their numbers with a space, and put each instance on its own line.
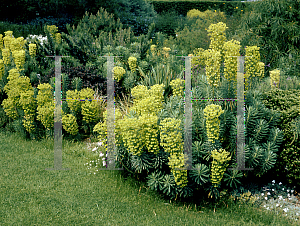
column 89, row 109
column 153, row 49
column 251, row 64
column 213, row 64
column 32, row 50
column 28, row 103
column 19, row 58
column 218, row 37
column 219, row 165
column 6, row 56
column 148, row 101
column 231, row 48
column 8, row 39
column 45, row 105
column 58, row 38
column 101, row 127
column 53, row 32
column 132, row 63
column 118, row 73
column 200, row 59
column 15, row 87
column 69, row 124
column 211, row 114
column 166, row 51
column 177, row 86
column 172, row 142
column 275, row 78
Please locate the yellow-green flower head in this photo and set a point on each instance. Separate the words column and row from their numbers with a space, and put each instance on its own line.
column 166, row 51
column 58, row 38
column 69, row 124
column 52, row 30
column 118, row 72
column 9, row 34
column 261, row 69
column 132, row 63
column 219, row 165
column 231, row 48
column 177, row 86
column 73, row 103
column 32, row 50
column 194, row 13
column 275, row 77
column 17, row 44
column 19, row 58
column 7, row 40
column 213, row 111
column 153, row 49
column 139, row 92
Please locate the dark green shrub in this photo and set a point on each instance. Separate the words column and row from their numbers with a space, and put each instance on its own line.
column 266, row 25
column 85, row 42
column 167, row 23
column 137, row 14
column 3, row 117
column 287, row 102
column 20, row 30
column 90, row 78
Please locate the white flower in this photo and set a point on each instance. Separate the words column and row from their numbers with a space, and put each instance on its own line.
column 268, row 208
column 289, row 195
column 282, row 189
column 268, row 193
column 277, row 205
column 272, row 189
column 280, row 197
column 101, row 154
column 280, row 183
column 285, row 209
column 273, row 181
column 292, row 191
column 266, row 198
column 288, row 190
column 104, row 163
column 262, row 194
column 265, row 206
column 99, row 143
column 94, row 149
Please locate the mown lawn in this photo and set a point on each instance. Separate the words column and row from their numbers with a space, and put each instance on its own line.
column 31, row 195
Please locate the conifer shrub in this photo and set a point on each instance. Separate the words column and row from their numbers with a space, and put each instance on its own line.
column 86, row 40
column 136, row 14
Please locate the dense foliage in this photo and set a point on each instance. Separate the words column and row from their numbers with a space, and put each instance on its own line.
column 150, row 134
column 266, row 25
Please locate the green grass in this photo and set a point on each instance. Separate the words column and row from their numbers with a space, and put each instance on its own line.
column 31, row 195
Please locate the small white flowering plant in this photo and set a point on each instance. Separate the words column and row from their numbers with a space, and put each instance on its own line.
column 97, row 157
column 41, row 39
column 273, row 197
